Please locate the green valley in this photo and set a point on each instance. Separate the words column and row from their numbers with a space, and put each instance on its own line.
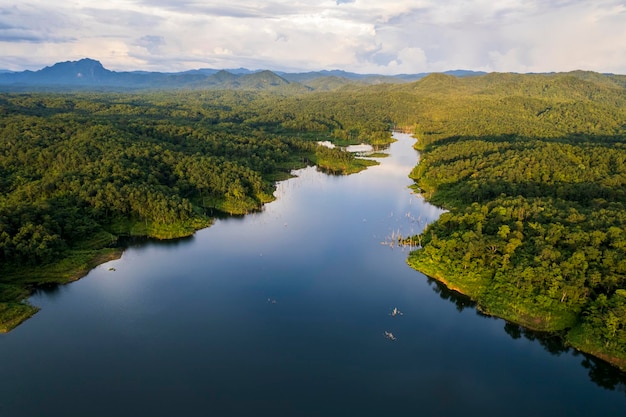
column 79, row 171
column 531, row 169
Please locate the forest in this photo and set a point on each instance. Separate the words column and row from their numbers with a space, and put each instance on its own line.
column 530, row 168
column 533, row 175
column 79, row 172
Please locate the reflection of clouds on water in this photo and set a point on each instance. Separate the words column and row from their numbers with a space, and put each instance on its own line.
column 411, row 212
column 429, row 212
column 315, row 252
column 315, row 205
column 326, row 143
column 361, row 148
column 393, row 168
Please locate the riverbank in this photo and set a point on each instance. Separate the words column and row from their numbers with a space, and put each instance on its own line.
column 539, row 252
column 14, row 307
column 565, row 326
column 20, row 281
column 196, row 312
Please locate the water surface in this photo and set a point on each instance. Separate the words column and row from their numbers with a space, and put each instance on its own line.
column 283, row 313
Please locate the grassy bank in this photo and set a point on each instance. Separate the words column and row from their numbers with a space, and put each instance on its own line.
column 19, row 282
column 597, row 339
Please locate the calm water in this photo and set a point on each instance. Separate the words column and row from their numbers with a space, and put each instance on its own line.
column 283, row 313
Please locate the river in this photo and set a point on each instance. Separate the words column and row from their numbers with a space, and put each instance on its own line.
column 284, row 313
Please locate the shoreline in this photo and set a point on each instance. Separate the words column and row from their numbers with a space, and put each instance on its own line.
column 77, row 263
column 15, row 312
column 572, row 337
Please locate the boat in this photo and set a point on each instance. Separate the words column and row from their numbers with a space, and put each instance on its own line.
column 396, row 312
column 389, row 335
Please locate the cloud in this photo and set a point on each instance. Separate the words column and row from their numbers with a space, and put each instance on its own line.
column 569, row 35
column 151, row 43
column 367, row 36
column 21, row 24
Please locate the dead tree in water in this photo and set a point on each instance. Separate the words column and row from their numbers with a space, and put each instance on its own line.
column 396, row 239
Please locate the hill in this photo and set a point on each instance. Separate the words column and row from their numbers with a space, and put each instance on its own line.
column 89, row 74
column 531, row 168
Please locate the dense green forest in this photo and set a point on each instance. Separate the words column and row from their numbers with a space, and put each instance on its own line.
column 79, row 171
column 533, row 172
column 531, row 169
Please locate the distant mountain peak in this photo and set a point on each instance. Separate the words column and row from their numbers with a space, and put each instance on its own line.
column 83, row 71
column 88, row 73
column 81, row 63
column 89, row 61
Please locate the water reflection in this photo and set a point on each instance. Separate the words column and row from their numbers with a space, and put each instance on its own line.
column 49, row 290
column 604, row 374
column 551, row 342
column 362, row 150
column 600, row 372
column 134, row 241
column 191, row 318
column 459, row 300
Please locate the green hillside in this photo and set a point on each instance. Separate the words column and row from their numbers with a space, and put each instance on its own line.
column 532, row 169
column 79, row 171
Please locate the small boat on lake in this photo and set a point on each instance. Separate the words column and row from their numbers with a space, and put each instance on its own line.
column 389, row 335
column 396, row 312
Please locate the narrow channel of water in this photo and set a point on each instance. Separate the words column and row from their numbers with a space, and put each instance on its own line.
column 284, row 313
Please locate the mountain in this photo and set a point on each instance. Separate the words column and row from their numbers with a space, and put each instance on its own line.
column 328, row 83
column 263, row 79
column 89, row 74
column 84, row 72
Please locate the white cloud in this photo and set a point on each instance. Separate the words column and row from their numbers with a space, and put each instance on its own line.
column 394, row 36
column 576, row 35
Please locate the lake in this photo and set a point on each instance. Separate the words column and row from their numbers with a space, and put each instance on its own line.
column 283, row 313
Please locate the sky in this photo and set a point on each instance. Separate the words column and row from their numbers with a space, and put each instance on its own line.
column 362, row 36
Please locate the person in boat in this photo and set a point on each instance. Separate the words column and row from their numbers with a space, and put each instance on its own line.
column 389, row 335
column 396, row 312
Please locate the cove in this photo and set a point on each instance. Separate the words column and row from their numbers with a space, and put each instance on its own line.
column 283, row 313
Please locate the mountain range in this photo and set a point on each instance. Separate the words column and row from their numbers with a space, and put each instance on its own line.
column 89, row 74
